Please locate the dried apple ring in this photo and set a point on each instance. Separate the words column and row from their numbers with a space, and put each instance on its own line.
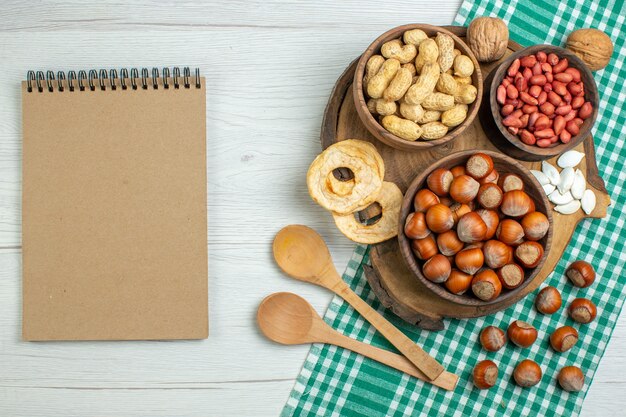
column 390, row 200
column 366, row 164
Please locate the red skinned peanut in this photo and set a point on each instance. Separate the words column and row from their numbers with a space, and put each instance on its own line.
column 559, row 88
column 539, row 79
column 544, row 143
column 507, row 109
column 564, row 77
column 501, row 94
column 559, row 124
column 544, row 133
column 547, row 108
column 528, row 61
column 570, row 116
column 527, row 137
column 561, row 66
column 574, row 73
column 585, row 110
column 513, row 68
column 572, row 127
column 542, row 97
column 563, row 110
column 565, row 136
column 553, row 59
column 512, row 92
column 577, row 102
column 542, row 56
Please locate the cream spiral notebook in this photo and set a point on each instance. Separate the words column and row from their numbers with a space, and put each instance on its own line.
column 114, row 220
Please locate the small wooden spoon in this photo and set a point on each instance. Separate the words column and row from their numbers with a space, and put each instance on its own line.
column 302, row 254
column 289, row 319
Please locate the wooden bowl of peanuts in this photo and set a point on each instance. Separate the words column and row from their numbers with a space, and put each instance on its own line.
column 417, row 87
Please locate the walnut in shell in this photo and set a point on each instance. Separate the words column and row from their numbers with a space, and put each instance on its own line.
column 593, row 46
column 488, row 38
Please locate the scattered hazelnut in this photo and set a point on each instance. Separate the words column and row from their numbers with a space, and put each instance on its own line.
column 485, row 374
column 527, row 373
column 571, row 378
column 563, row 338
column 581, row 274
column 522, row 333
column 548, row 300
column 492, row 338
column 582, row 310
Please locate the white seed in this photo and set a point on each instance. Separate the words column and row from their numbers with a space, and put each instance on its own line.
column 566, row 180
column 549, row 188
column 588, row 201
column 541, row 177
column 569, row 208
column 559, row 199
column 551, row 172
column 570, row 159
column 579, row 185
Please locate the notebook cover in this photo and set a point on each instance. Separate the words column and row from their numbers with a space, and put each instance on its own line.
column 114, row 221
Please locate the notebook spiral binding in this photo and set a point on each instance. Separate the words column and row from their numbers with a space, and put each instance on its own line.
column 38, row 81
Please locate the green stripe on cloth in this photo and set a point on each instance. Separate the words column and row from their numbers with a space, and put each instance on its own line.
column 336, row 382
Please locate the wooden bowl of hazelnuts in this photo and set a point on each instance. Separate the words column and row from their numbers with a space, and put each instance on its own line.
column 475, row 227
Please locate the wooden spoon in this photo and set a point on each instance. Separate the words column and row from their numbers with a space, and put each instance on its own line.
column 302, row 254
column 289, row 319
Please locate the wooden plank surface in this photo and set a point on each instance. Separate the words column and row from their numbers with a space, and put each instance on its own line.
column 270, row 66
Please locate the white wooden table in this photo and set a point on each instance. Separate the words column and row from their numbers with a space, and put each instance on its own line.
column 270, row 66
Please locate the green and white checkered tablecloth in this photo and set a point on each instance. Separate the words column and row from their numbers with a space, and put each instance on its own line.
column 336, row 382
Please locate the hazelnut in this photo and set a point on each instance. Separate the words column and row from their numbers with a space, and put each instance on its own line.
column 458, row 282
column 535, row 225
column 527, row 373
column 492, row 338
column 511, row 276
column 563, row 338
column 510, row 182
column 470, row 260
column 439, row 218
column 581, row 274
column 593, row 46
column 424, row 248
column 424, row 199
column 415, row 226
column 529, row 254
column 510, row 232
column 522, row 333
column 548, row 300
column 471, row 228
column 571, row 378
column 485, row 374
column 582, row 310
column 439, row 181
column 489, row 196
column 516, row 203
column 488, row 38
column 479, row 165
column 464, row 189
column 486, row 285
column 437, row 269
column 448, row 243
column 497, row 254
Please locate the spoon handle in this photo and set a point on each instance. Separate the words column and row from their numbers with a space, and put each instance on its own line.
column 445, row 380
column 415, row 354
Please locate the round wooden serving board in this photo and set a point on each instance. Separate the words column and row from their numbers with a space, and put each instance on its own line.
column 392, row 282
